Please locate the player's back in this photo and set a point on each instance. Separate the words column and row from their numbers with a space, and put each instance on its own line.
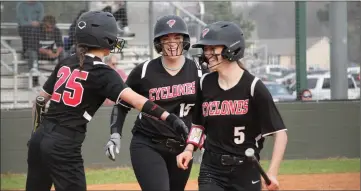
column 77, row 94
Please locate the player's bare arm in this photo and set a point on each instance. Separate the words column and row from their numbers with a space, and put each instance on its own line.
column 195, row 140
column 148, row 107
column 185, row 157
column 138, row 102
column 272, row 125
column 279, row 148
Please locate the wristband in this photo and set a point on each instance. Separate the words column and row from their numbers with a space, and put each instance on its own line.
column 195, row 135
column 152, row 109
column 202, row 141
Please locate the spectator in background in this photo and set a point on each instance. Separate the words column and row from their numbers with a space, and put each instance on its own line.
column 46, row 44
column 69, row 48
column 118, row 9
column 29, row 15
column 112, row 61
column 305, row 95
column 48, row 39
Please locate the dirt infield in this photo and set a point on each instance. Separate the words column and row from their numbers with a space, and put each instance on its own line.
column 342, row 181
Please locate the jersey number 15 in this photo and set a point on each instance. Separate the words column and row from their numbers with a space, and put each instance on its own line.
column 65, row 75
column 184, row 109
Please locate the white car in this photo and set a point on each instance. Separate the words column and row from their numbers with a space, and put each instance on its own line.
column 319, row 85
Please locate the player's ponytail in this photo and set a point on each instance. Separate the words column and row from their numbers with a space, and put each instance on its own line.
column 80, row 53
column 241, row 65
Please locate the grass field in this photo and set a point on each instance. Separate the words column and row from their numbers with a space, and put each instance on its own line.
column 124, row 175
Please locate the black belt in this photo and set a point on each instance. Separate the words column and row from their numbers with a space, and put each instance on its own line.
column 224, row 159
column 170, row 143
column 231, row 160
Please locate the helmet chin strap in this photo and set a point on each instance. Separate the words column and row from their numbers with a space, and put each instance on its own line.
column 215, row 64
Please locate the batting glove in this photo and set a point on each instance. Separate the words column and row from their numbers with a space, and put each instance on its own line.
column 178, row 124
column 113, row 144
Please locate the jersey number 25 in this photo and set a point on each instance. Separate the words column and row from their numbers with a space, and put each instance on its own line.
column 65, row 75
column 239, row 135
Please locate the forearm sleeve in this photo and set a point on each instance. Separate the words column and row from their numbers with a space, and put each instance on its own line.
column 117, row 118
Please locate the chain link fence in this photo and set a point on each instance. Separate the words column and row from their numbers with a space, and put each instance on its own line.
column 269, row 28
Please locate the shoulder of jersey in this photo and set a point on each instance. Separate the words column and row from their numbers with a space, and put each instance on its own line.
column 192, row 62
column 142, row 65
column 204, row 77
column 142, row 68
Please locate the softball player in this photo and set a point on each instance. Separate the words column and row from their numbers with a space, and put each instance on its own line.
column 235, row 111
column 76, row 88
column 170, row 81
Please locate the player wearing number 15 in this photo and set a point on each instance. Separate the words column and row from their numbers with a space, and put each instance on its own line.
column 170, row 81
column 76, row 89
column 236, row 112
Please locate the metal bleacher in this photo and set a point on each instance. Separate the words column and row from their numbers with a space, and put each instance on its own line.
column 16, row 81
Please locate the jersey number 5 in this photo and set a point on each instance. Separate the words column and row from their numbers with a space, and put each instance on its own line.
column 184, row 109
column 65, row 75
column 239, row 135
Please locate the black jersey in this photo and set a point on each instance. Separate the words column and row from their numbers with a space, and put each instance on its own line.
column 76, row 95
column 176, row 94
column 237, row 118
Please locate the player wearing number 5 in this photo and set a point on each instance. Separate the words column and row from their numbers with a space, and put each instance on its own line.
column 235, row 111
column 76, row 89
column 170, row 81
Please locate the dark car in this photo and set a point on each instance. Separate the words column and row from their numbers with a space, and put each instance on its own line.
column 279, row 92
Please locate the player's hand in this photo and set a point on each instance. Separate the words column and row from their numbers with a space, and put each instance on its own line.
column 178, row 124
column 184, row 158
column 113, row 145
column 274, row 183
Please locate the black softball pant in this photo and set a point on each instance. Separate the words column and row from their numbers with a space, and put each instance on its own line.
column 54, row 156
column 216, row 176
column 155, row 166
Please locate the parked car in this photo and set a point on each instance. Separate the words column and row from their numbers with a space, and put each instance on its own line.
column 355, row 72
column 319, row 85
column 279, row 92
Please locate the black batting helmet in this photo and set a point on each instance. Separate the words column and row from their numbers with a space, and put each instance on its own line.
column 224, row 33
column 170, row 24
column 98, row 29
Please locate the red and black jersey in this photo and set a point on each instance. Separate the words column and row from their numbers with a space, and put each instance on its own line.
column 77, row 94
column 176, row 94
column 237, row 118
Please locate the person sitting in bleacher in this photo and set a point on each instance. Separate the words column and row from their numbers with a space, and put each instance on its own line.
column 48, row 40
column 46, row 44
column 29, row 15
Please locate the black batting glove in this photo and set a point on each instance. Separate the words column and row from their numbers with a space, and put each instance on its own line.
column 178, row 124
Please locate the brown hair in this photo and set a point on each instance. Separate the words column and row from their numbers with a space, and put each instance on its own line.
column 241, row 65
column 80, row 53
column 49, row 19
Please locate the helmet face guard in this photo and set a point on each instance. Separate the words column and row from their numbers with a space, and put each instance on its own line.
column 203, row 59
column 171, row 24
column 172, row 48
column 118, row 45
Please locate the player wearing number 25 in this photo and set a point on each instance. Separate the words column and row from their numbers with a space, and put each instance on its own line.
column 235, row 111
column 170, row 81
column 76, row 89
